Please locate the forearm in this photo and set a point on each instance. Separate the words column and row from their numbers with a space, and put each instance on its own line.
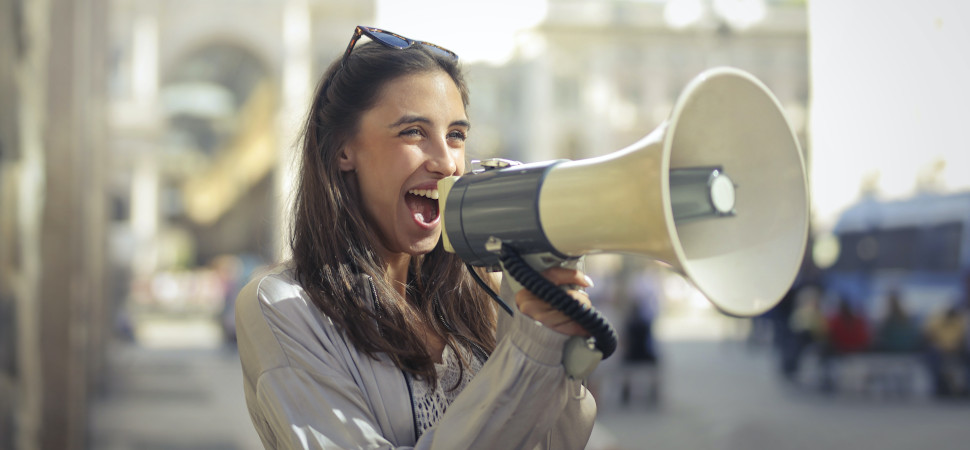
column 520, row 399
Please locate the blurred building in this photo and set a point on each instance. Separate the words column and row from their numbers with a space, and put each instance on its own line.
column 206, row 98
column 595, row 76
column 146, row 135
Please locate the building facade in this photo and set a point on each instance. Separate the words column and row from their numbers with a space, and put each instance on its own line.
column 594, row 77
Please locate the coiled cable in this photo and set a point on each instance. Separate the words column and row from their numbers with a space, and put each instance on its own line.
column 588, row 318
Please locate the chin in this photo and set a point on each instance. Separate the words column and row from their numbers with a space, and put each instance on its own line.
column 420, row 250
column 424, row 246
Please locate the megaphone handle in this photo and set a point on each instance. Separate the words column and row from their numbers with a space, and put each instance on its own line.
column 580, row 355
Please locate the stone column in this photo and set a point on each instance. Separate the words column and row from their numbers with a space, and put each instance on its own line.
column 73, row 221
column 53, row 226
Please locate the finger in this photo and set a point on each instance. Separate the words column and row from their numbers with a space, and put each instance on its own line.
column 524, row 297
column 552, row 318
column 533, row 307
column 582, row 297
column 563, row 276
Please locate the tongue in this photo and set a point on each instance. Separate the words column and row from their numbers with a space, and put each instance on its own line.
column 424, row 209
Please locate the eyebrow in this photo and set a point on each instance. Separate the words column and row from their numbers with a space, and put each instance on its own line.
column 420, row 119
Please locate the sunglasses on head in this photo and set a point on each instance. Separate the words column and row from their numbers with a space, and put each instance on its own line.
column 393, row 40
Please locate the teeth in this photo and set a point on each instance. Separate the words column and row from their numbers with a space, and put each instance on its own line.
column 429, row 193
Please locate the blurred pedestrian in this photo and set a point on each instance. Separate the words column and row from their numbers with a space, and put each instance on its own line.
column 847, row 332
column 897, row 332
column 807, row 329
column 229, row 272
column 946, row 335
column 639, row 349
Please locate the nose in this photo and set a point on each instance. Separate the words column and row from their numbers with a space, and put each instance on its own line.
column 442, row 158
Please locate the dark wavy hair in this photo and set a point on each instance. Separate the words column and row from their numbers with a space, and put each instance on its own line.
column 333, row 242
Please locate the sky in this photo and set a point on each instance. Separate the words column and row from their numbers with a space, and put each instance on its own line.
column 478, row 31
column 890, row 98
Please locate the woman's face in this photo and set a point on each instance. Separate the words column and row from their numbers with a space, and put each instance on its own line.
column 412, row 137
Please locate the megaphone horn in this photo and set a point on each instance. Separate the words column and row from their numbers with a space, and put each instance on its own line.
column 718, row 192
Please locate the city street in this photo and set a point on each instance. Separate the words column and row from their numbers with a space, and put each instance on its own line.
column 726, row 395
column 714, row 394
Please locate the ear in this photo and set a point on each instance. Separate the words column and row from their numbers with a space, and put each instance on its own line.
column 347, row 160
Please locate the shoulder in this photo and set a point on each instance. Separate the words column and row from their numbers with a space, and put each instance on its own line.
column 276, row 293
column 272, row 286
column 276, row 320
column 268, row 295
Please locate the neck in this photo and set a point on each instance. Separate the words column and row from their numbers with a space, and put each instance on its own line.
column 397, row 270
column 397, row 274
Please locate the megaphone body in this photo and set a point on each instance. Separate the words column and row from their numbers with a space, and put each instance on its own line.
column 718, row 192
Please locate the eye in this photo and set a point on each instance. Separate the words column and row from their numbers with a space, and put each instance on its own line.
column 457, row 135
column 412, row 132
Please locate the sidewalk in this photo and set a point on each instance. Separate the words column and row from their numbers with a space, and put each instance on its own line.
column 173, row 397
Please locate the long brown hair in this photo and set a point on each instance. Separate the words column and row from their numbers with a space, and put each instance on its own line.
column 333, row 242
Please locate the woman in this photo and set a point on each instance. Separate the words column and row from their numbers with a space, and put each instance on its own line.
column 373, row 336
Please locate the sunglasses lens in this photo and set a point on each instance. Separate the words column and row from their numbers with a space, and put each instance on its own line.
column 441, row 52
column 393, row 41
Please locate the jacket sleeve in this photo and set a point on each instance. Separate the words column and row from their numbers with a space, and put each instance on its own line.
column 521, row 398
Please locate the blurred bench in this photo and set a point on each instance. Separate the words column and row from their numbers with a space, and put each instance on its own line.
column 869, row 373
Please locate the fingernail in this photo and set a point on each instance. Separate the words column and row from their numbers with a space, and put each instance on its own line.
column 589, row 281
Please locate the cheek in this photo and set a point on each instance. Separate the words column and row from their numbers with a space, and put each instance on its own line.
column 379, row 192
column 384, row 182
column 461, row 163
column 370, row 183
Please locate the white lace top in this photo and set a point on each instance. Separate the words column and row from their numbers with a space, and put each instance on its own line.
column 429, row 405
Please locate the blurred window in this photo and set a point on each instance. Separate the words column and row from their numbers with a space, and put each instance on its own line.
column 935, row 249
column 939, row 248
column 896, row 248
column 850, row 259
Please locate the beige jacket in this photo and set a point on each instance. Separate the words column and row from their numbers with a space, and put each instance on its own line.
column 308, row 387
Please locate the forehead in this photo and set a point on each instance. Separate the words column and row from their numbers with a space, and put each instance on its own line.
column 423, row 92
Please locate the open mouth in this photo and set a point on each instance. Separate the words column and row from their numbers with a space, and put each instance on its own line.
column 423, row 204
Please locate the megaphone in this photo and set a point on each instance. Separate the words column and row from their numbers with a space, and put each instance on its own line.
column 718, row 192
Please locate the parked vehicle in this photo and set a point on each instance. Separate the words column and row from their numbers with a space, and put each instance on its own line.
column 918, row 247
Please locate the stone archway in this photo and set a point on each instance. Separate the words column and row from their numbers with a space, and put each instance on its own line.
column 219, row 103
